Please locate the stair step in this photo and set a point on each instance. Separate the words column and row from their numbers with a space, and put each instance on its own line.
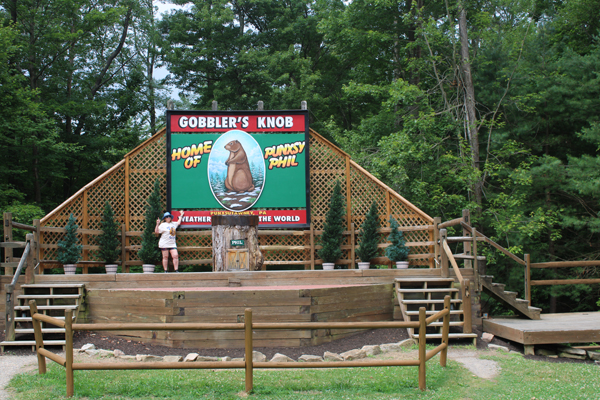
column 523, row 301
column 65, row 307
column 508, row 293
column 28, row 319
column 49, row 296
column 452, row 323
column 424, row 280
column 431, row 312
column 450, row 335
column 533, row 309
column 468, row 257
column 441, row 301
column 44, row 330
column 53, row 285
column 32, row 343
column 435, row 290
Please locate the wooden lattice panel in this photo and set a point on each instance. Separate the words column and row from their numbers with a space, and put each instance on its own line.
column 128, row 185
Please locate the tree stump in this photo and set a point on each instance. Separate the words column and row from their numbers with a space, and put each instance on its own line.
column 243, row 230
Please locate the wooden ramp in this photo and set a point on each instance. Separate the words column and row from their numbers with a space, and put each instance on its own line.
column 582, row 327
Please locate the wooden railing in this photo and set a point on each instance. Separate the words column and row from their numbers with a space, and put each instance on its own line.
column 248, row 326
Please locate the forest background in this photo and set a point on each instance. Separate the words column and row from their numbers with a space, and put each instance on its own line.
column 491, row 105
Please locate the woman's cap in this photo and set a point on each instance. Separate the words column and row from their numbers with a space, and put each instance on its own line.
column 167, row 214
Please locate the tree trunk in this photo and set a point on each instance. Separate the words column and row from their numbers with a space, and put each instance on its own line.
column 477, row 186
column 226, row 228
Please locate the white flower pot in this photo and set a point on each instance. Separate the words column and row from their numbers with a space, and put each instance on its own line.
column 401, row 264
column 364, row 265
column 329, row 266
column 111, row 268
column 70, row 269
column 148, row 268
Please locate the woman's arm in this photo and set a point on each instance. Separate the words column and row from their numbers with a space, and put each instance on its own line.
column 179, row 219
column 156, row 227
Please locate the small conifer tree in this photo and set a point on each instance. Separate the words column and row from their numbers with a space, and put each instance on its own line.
column 69, row 249
column 331, row 240
column 108, row 241
column 369, row 237
column 149, row 253
column 397, row 251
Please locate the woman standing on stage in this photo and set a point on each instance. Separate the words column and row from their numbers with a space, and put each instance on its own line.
column 167, row 244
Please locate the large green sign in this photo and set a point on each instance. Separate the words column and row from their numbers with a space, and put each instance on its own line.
column 233, row 162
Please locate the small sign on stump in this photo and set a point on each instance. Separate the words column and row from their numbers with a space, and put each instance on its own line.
column 235, row 243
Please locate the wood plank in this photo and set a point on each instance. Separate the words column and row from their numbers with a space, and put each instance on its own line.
column 565, row 282
column 256, row 311
column 565, row 264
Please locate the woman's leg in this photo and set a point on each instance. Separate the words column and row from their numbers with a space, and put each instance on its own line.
column 175, row 257
column 165, row 259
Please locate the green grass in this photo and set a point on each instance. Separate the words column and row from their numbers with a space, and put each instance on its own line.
column 519, row 379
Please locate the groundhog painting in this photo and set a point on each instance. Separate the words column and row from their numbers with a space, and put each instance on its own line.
column 239, row 178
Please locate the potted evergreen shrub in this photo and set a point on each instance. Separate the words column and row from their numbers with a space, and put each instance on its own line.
column 333, row 230
column 150, row 253
column 109, row 241
column 69, row 249
column 397, row 251
column 369, row 238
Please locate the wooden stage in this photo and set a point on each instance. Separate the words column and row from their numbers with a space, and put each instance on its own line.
column 274, row 296
column 582, row 327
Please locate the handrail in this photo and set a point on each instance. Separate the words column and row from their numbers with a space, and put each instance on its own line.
column 494, row 244
column 248, row 327
column 452, row 261
column 21, row 264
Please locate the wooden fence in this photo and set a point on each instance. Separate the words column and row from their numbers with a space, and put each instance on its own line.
column 249, row 327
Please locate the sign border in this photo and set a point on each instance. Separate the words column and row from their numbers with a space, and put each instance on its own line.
column 169, row 113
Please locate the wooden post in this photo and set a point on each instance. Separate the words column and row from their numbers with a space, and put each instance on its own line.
column 527, row 258
column 467, row 245
column 422, row 348
column 215, row 105
column 9, row 319
column 85, row 225
column 29, row 278
column 445, row 331
column 475, row 262
column 126, row 217
column 69, row 351
column 226, row 228
column 8, row 237
column 37, row 238
column 249, row 349
column 39, row 337
column 352, row 247
column 348, row 194
column 312, row 246
column 124, row 266
column 443, row 255
column 465, row 290
column 437, row 245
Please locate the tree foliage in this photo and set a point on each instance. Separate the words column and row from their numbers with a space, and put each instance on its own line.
column 69, row 249
column 110, row 245
column 369, row 235
column 333, row 229
column 150, row 253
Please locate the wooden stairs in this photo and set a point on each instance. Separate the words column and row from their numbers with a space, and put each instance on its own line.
column 414, row 293
column 497, row 291
column 52, row 300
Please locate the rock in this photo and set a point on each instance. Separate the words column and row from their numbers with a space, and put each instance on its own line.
column 281, row 358
column 372, row 350
column 106, row 353
column 487, row 337
column 545, row 352
column 408, row 343
column 257, row 356
column 554, row 356
column 147, row 358
column 354, row 354
column 92, row 352
column 118, row 353
column 565, row 354
column 88, row 346
column 387, row 347
column 329, row 356
column 172, row 358
column 226, row 358
column 309, row 358
column 239, row 359
column 572, row 351
column 191, row 357
column 593, row 355
column 207, row 358
column 497, row 347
